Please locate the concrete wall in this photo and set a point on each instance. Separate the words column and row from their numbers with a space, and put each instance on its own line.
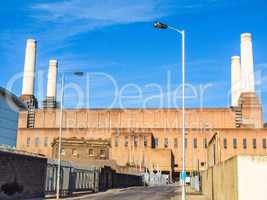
column 220, row 182
column 21, row 176
column 239, row 178
column 252, row 177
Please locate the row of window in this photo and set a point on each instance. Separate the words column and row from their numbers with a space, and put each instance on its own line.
column 91, row 152
column 175, row 143
column 205, row 144
column 134, row 139
column 156, row 142
column 244, row 143
column 37, row 142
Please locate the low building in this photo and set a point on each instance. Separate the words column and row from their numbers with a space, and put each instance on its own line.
column 135, row 152
column 227, row 143
column 74, row 149
column 10, row 105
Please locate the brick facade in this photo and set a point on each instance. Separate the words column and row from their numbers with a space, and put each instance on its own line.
column 153, row 136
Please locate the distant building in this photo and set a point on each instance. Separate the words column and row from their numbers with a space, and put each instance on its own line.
column 10, row 105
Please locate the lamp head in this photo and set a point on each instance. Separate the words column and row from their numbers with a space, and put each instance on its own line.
column 160, row 25
column 78, row 73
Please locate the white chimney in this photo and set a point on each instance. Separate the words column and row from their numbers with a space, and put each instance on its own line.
column 235, row 79
column 247, row 65
column 29, row 68
column 52, row 79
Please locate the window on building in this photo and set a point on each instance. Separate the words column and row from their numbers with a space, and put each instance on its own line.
column 234, row 143
column 62, row 151
column 254, row 141
column 185, row 142
column 46, row 141
column 37, row 141
column 166, row 143
column 156, row 142
column 74, row 152
column 205, row 143
column 135, row 141
column 264, row 143
column 117, row 131
column 28, row 141
column 102, row 153
column 245, row 143
column 91, row 152
column 225, row 143
column 145, row 141
column 116, row 141
column 195, row 143
column 126, row 141
column 175, row 143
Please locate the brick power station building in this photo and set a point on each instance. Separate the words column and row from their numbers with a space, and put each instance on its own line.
column 144, row 138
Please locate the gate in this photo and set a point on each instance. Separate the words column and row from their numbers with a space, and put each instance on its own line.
column 153, row 178
column 71, row 179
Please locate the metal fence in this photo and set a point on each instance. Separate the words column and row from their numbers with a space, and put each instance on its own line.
column 156, row 178
column 71, row 179
column 76, row 179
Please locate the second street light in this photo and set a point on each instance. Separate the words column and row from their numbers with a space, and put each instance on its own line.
column 60, row 129
column 160, row 25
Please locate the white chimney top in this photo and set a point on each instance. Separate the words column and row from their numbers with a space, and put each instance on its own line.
column 29, row 67
column 236, row 82
column 247, row 64
column 52, row 79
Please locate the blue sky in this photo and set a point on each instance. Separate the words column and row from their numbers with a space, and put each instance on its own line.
column 116, row 37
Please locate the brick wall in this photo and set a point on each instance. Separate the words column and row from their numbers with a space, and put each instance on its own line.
column 21, row 176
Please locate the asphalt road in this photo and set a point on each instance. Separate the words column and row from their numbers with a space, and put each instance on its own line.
column 137, row 193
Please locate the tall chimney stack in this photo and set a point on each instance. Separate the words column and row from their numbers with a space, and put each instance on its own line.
column 28, row 81
column 247, row 65
column 249, row 102
column 29, row 68
column 51, row 93
column 52, row 80
column 236, row 80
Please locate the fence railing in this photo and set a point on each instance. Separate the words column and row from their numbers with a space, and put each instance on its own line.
column 75, row 179
column 71, row 180
column 156, row 178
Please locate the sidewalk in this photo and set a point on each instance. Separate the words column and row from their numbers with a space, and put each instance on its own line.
column 190, row 195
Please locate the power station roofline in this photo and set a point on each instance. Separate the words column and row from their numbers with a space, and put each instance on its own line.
column 122, row 109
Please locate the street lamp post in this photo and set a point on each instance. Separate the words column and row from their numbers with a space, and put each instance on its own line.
column 160, row 25
column 60, row 135
column 60, row 130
